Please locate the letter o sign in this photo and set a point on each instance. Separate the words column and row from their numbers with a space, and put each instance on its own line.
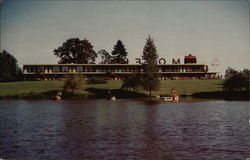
column 162, row 61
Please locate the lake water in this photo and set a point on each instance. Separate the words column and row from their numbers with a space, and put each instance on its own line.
column 124, row 129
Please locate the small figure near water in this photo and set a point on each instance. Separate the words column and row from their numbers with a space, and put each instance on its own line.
column 174, row 95
column 58, row 95
column 110, row 96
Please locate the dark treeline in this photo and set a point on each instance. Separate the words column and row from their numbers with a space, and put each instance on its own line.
column 9, row 70
column 79, row 51
column 236, row 80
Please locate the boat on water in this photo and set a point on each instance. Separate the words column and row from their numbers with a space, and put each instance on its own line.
column 110, row 96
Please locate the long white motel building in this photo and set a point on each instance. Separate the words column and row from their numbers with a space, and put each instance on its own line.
column 189, row 70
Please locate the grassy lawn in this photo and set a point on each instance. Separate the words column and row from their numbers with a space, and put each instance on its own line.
column 26, row 87
column 16, row 88
column 187, row 87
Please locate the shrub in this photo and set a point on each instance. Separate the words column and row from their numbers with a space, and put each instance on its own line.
column 133, row 81
column 236, row 82
column 74, row 84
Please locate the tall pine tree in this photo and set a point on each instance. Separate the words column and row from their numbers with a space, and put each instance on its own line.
column 119, row 54
column 151, row 80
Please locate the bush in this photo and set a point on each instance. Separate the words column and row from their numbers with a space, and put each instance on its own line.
column 133, row 81
column 236, row 82
column 95, row 80
column 74, row 84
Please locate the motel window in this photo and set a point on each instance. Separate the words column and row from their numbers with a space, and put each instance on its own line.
column 65, row 69
column 103, row 69
column 56, row 69
column 79, row 69
column 32, row 69
column 89, row 69
column 41, row 69
column 29, row 69
column 167, row 69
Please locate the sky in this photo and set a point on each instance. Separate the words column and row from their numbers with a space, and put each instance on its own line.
column 31, row 30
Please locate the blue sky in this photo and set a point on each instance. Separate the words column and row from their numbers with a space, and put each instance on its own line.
column 30, row 30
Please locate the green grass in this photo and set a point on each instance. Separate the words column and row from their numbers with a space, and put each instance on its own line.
column 26, row 87
column 187, row 87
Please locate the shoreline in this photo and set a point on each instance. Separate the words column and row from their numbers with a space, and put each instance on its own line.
column 193, row 89
column 125, row 94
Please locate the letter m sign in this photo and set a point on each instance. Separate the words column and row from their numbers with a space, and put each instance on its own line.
column 176, row 62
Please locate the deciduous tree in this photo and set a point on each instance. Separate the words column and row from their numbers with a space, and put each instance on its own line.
column 9, row 70
column 236, row 80
column 105, row 56
column 76, row 51
column 229, row 72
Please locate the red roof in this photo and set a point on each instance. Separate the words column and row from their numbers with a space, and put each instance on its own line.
column 190, row 57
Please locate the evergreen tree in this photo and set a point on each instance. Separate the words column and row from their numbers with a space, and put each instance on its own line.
column 151, row 80
column 76, row 51
column 106, row 57
column 119, row 54
column 9, row 70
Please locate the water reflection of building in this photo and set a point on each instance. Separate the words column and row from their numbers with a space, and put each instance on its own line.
column 189, row 70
